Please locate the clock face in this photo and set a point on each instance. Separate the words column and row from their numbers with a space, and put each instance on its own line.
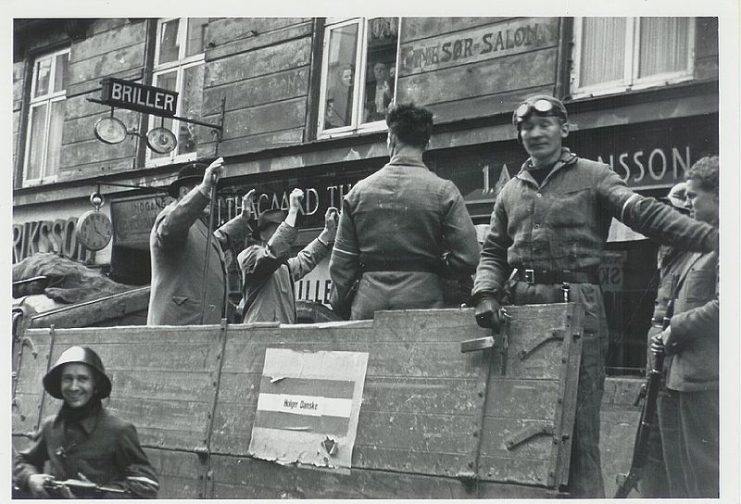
column 94, row 230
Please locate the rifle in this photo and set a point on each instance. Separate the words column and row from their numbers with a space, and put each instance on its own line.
column 57, row 488
column 650, row 390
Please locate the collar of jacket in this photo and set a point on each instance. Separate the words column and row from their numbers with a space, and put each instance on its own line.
column 567, row 158
column 406, row 161
column 88, row 423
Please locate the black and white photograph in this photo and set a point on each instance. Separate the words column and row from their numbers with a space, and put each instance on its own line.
column 366, row 253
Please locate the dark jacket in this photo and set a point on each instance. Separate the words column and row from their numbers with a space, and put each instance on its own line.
column 268, row 273
column 693, row 342
column 402, row 213
column 563, row 224
column 177, row 245
column 104, row 448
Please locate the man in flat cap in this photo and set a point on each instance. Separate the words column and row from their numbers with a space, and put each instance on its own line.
column 178, row 244
column 84, row 444
column 267, row 271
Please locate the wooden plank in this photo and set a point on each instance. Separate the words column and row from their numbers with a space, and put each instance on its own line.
column 180, row 474
column 517, row 399
column 26, row 409
column 82, row 129
column 128, row 59
column 251, row 43
column 93, row 84
column 509, row 470
column 292, row 54
column 108, row 41
column 258, row 91
column 226, row 30
column 84, row 170
column 94, row 151
column 18, row 71
column 266, row 118
column 484, row 43
column 247, row 478
column 617, row 436
column 252, row 143
column 526, row 70
column 104, row 24
column 414, row 28
column 499, row 103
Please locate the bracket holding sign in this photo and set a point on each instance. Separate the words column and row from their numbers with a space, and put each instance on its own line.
column 160, row 102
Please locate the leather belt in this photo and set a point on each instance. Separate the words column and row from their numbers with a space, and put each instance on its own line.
column 536, row 276
column 399, row 264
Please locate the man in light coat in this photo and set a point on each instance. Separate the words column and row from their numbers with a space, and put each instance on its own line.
column 692, row 341
column 401, row 230
column 178, row 244
column 268, row 273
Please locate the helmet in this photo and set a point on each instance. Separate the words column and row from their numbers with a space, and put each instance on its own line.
column 190, row 173
column 81, row 355
column 544, row 105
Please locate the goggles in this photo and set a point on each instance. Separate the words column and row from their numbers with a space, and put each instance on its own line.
column 541, row 106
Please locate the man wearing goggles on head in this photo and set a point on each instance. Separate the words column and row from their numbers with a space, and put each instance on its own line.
column 550, row 223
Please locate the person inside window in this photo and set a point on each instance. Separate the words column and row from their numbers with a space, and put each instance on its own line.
column 379, row 93
column 338, row 110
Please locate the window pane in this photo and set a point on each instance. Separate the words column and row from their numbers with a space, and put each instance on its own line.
column 196, row 32
column 60, row 72
column 168, row 81
column 169, row 46
column 343, row 46
column 43, row 69
column 54, row 149
column 380, row 67
column 664, row 45
column 190, row 106
column 602, row 51
column 36, row 139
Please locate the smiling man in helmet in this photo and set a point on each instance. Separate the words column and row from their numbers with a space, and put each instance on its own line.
column 550, row 223
column 83, row 441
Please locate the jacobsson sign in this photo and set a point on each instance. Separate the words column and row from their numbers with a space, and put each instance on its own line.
column 131, row 95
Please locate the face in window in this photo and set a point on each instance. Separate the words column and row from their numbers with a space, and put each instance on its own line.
column 703, row 204
column 78, row 384
column 346, row 77
column 542, row 137
column 380, row 72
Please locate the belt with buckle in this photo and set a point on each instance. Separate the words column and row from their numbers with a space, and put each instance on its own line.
column 536, row 276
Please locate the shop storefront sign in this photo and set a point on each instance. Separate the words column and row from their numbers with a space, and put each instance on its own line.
column 134, row 96
column 479, row 44
column 133, row 219
column 56, row 236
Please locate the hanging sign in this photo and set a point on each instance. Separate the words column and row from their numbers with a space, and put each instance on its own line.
column 134, row 96
column 308, row 407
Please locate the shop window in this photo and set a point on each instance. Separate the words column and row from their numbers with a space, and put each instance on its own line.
column 46, row 118
column 359, row 69
column 617, row 54
column 179, row 66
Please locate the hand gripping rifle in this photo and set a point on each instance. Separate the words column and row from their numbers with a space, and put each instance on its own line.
column 650, row 390
column 80, row 487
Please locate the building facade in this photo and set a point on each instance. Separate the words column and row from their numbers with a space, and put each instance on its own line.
column 301, row 100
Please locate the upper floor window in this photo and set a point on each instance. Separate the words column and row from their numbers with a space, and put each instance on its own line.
column 359, row 69
column 178, row 66
column 46, row 117
column 617, row 54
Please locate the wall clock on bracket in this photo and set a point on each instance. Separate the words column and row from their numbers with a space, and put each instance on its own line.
column 94, row 230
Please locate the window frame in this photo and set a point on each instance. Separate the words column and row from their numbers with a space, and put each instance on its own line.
column 629, row 80
column 179, row 65
column 356, row 127
column 35, row 102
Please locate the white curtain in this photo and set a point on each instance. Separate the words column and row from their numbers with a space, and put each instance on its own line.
column 663, row 45
column 602, row 50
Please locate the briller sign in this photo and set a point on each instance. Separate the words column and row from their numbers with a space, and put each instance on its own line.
column 131, row 95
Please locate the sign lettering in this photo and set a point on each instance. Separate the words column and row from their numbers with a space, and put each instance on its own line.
column 57, row 236
column 135, row 96
column 492, row 41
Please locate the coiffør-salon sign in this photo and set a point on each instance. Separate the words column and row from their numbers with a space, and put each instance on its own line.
column 130, row 95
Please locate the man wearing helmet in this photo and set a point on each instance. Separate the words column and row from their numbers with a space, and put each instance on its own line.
column 83, row 441
column 549, row 224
